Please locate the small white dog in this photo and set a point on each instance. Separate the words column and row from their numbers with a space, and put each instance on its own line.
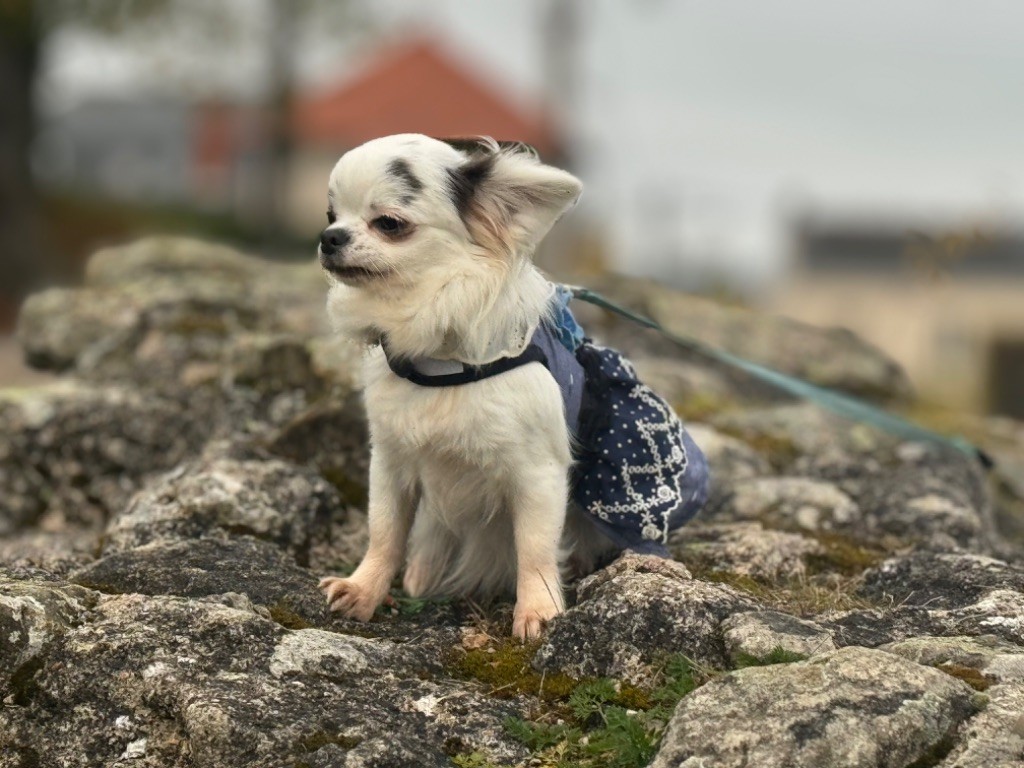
column 429, row 249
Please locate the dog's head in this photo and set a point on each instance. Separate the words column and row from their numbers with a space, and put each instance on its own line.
column 407, row 210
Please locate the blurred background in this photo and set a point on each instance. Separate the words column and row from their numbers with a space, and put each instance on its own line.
column 846, row 164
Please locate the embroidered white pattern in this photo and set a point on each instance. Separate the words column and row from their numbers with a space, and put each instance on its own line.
column 652, row 490
column 640, row 475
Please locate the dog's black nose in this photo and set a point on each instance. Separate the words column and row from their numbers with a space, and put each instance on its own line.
column 333, row 240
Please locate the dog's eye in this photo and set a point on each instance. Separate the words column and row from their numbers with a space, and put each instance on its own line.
column 389, row 225
column 331, row 218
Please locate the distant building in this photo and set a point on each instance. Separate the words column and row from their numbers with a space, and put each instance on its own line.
column 949, row 307
column 414, row 86
column 138, row 150
column 211, row 155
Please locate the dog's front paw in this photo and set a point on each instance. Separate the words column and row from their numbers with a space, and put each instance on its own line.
column 351, row 599
column 529, row 623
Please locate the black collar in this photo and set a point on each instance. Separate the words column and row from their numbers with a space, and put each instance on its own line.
column 406, row 368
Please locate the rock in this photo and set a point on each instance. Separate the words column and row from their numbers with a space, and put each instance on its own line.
column 693, row 389
column 744, row 549
column 52, row 555
column 830, row 357
column 60, row 328
column 729, row 459
column 833, row 358
column 991, row 657
column 917, row 493
column 940, row 594
column 940, row 581
column 758, row 634
column 260, row 571
column 76, row 453
column 632, row 615
column 178, row 682
column 268, row 499
column 291, row 294
column 154, row 310
column 168, row 259
column 271, row 363
column 995, row 737
column 32, row 614
column 167, row 510
column 873, row 627
column 785, row 433
column 790, row 502
column 344, row 547
column 1003, row 440
column 852, row 707
column 332, row 437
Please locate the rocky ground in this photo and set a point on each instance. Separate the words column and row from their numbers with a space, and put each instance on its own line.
column 169, row 504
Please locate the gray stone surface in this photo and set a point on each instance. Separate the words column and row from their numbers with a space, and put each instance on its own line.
column 210, row 566
column 790, row 502
column 267, row 499
column 995, row 738
column 758, row 634
column 942, row 594
column 167, row 510
column 832, row 357
column 745, row 549
column 157, row 310
column 853, row 707
column 175, row 682
column 995, row 659
column 941, row 580
column 331, row 436
column 941, row 505
column 633, row 614
column 75, row 453
column 32, row 614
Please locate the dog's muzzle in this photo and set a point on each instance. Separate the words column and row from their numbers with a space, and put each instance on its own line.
column 332, row 247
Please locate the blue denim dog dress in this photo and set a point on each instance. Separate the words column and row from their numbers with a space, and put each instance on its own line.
column 638, row 474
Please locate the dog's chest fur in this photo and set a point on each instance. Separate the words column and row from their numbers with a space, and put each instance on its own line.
column 467, row 447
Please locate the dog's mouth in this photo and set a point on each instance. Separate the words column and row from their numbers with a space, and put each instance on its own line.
column 354, row 273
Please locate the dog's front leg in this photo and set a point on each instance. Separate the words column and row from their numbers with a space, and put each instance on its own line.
column 538, row 514
column 391, row 508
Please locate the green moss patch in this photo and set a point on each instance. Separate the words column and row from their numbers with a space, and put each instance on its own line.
column 286, row 617
column 592, row 723
column 703, row 406
column 351, row 491
column 969, row 675
column 597, row 730
column 842, row 555
column 777, row 655
column 505, row 668
column 780, row 451
column 472, row 760
column 320, row 739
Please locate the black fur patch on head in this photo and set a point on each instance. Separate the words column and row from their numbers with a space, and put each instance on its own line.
column 464, row 181
column 400, row 170
column 481, row 155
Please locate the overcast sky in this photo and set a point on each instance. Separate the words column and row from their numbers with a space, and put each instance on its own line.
column 702, row 124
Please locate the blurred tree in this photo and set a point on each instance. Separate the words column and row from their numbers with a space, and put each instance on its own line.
column 25, row 25
column 20, row 244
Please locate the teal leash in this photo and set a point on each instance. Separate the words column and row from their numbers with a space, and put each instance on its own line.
column 844, row 405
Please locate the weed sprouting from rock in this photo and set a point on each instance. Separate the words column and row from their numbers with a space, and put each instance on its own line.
column 597, row 729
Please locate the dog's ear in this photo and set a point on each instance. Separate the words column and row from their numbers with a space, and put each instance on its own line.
column 507, row 197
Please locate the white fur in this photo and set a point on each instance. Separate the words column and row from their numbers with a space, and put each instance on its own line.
column 473, row 478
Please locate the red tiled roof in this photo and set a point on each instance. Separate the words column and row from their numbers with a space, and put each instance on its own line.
column 416, row 88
